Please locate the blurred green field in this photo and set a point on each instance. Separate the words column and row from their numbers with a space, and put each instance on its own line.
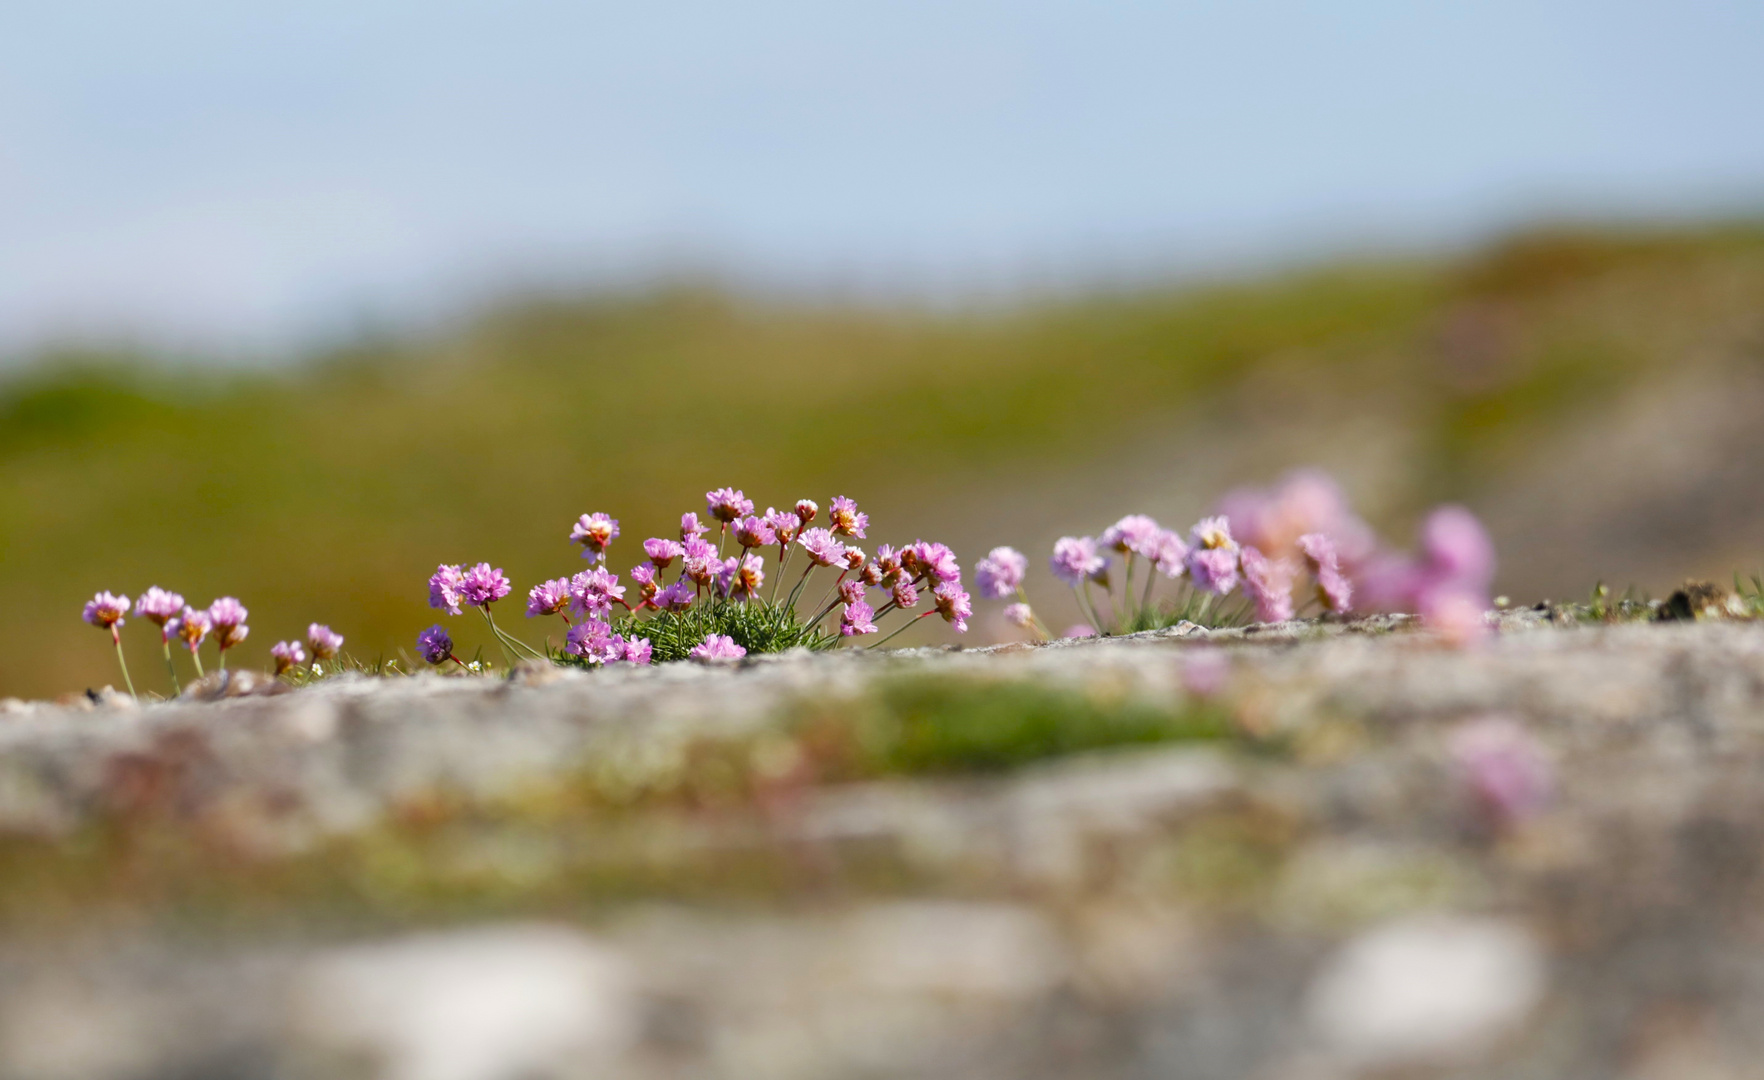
column 329, row 490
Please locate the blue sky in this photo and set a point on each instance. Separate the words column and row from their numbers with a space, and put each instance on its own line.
column 242, row 175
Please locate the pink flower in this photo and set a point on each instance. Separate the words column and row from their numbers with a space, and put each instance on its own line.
column 1170, row 553
column 1269, row 583
column 1019, row 615
column 1213, row 570
column 871, row 574
column 1078, row 630
column 857, row 618
column 1213, row 534
column 105, row 610
column 323, row 641
column 1001, row 572
column 752, row 532
column 888, row 559
column 806, row 510
column 854, row 558
column 784, row 524
column 193, row 626
column 159, row 606
column 747, row 577
column 636, row 651
column 594, row 532
column 548, row 598
column 594, row 592
column 643, row 575
column 1305, row 501
column 953, row 604
column 1134, row 534
column 1334, row 590
column 905, row 593
column 935, row 561
column 676, row 597
column 1457, row 549
column 482, row 585
column 434, row 645
column 822, row 548
column 228, row 617
column 690, row 529
column 1455, row 614
column 1075, row 559
column 727, row 504
column 287, row 654
column 851, row 592
column 717, row 647
column 846, row 518
column 1503, row 768
column 444, row 586
column 663, row 552
column 701, row 562
column 594, row 642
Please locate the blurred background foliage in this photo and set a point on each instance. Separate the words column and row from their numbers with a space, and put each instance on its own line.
column 1595, row 394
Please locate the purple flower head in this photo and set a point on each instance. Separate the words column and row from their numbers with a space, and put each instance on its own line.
column 1457, row 549
column 287, row 654
column 1101, row 574
column 936, row 560
column 953, row 604
column 752, row 532
column 483, row 584
column 806, row 510
column 594, row 592
column 1213, row 570
column 444, row 586
column 105, row 610
column 784, row 524
column 643, row 575
column 159, row 606
column 748, row 576
column 663, row 552
column 851, row 591
column 717, row 647
column 193, row 626
column 871, row 574
column 727, row 504
column 846, row 518
column 434, row 645
column 888, row 559
column 1334, row 590
column 676, row 597
column 1171, row 553
column 857, row 618
column 822, row 548
column 905, row 593
column 1269, row 583
column 690, row 529
column 323, row 641
column 1001, row 572
column 1305, row 501
column 594, row 642
column 701, row 563
column 594, row 532
column 1213, row 534
column 725, row 578
column 855, row 558
column 548, row 598
column 1503, row 768
column 1019, row 614
column 1075, row 559
column 228, row 617
column 636, row 651
column 1133, row 534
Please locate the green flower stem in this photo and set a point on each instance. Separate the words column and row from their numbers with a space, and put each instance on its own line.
column 116, row 637
column 806, row 571
column 1151, row 578
column 165, row 644
column 1127, row 587
column 196, row 658
column 501, row 644
column 900, row 628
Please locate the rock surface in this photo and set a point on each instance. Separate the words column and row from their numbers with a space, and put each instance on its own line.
column 1540, row 857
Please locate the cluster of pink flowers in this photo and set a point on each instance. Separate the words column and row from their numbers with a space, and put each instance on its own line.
column 703, row 569
column 1268, row 544
column 223, row 620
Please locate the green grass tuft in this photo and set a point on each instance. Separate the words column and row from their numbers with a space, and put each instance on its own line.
column 757, row 626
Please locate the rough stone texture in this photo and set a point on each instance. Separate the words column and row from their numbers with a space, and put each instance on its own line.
column 1326, row 897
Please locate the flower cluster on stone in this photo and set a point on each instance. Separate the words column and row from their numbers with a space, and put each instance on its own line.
column 1249, row 561
column 717, row 647
column 223, row 622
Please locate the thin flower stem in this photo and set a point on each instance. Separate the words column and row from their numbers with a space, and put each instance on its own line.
column 806, row 571
column 165, row 644
column 901, row 628
column 120, row 659
column 196, row 658
column 1127, row 588
column 501, row 644
column 1085, row 607
column 1151, row 578
column 830, row 591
